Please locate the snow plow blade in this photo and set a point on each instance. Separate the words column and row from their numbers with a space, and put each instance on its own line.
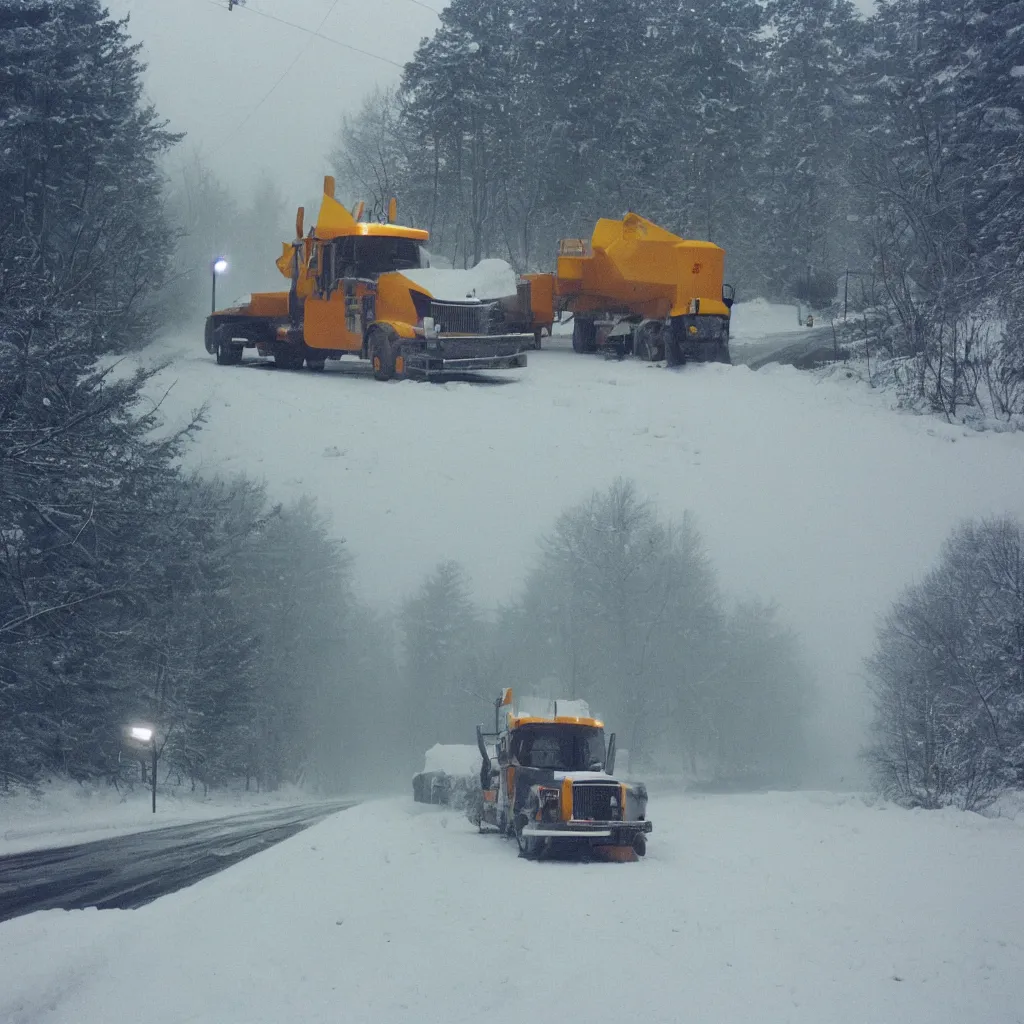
column 467, row 354
column 603, row 833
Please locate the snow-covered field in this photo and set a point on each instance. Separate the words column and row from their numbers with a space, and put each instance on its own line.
column 65, row 813
column 813, row 492
column 797, row 907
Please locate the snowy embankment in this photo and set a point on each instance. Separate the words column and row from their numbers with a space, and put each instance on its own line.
column 66, row 813
column 808, row 491
column 799, row 907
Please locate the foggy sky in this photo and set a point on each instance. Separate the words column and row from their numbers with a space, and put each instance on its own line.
column 210, row 73
column 209, row 70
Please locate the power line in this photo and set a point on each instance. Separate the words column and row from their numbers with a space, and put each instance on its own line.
column 302, row 52
column 317, row 32
column 426, row 7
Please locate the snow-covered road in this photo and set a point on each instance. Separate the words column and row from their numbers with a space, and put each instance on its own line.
column 797, row 907
column 132, row 870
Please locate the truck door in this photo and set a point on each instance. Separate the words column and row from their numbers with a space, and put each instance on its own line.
column 328, row 322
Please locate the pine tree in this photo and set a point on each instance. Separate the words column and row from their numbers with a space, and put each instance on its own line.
column 802, row 182
column 439, row 638
column 82, row 244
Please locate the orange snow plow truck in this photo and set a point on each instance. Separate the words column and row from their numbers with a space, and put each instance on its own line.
column 366, row 289
column 547, row 779
column 637, row 288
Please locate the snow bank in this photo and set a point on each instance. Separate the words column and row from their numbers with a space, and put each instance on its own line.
column 803, row 908
column 489, row 279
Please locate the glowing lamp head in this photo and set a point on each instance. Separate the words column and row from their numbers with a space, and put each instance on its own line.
column 220, row 265
column 142, row 733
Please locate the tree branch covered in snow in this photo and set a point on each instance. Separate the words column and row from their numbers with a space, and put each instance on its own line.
column 947, row 676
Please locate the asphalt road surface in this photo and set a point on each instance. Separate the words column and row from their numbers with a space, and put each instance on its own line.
column 132, row 870
column 808, row 346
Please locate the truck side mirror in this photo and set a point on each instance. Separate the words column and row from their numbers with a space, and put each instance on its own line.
column 610, row 763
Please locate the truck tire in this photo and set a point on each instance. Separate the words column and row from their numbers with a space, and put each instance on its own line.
column 648, row 342
column 228, row 354
column 673, row 355
column 584, row 335
column 382, row 353
column 526, row 845
column 315, row 363
column 287, row 357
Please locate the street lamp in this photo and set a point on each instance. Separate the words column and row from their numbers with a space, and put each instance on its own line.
column 146, row 734
column 219, row 266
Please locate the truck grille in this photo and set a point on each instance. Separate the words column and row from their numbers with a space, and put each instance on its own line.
column 596, row 801
column 467, row 318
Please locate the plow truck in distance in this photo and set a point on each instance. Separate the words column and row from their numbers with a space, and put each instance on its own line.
column 547, row 779
column 367, row 289
column 635, row 287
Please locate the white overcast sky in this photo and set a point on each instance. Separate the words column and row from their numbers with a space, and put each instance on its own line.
column 209, row 71
column 218, row 76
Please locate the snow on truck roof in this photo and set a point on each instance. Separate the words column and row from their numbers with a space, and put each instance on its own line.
column 452, row 759
column 537, row 710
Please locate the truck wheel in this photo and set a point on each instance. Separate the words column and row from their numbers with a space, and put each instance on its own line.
column 537, row 336
column 382, row 354
column 648, row 344
column 523, row 842
column 210, row 336
column 584, row 335
column 286, row 357
column 314, row 364
column 227, row 353
column 673, row 357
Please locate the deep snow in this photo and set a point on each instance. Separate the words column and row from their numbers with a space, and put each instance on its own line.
column 804, row 907
column 812, row 492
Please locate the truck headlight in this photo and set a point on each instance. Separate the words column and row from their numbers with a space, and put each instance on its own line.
column 548, row 804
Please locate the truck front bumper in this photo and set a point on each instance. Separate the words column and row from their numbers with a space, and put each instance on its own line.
column 466, row 353
column 597, row 833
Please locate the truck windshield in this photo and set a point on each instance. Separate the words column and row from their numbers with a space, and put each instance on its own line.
column 561, row 747
column 368, row 257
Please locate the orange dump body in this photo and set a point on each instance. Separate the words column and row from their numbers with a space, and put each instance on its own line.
column 632, row 266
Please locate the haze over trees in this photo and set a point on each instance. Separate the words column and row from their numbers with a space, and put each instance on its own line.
column 621, row 608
